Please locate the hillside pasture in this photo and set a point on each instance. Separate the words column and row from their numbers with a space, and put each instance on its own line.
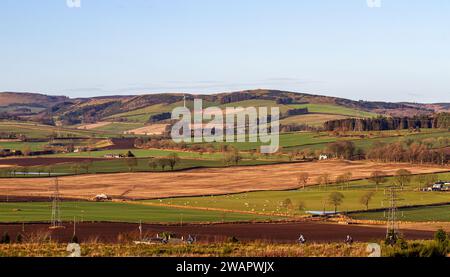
column 312, row 119
column 333, row 109
column 35, row 130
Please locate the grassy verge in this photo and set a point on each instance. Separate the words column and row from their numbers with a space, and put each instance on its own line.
column 183, row 250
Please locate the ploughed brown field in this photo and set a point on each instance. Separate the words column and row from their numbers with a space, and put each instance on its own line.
column 206, row 181
column 271, row 232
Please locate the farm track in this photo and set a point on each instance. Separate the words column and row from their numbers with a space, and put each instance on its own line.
column 202, row 181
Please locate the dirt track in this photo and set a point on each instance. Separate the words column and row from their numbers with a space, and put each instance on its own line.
column 199, row 181
column 273, row 232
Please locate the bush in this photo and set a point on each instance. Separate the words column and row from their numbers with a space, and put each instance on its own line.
column 5, row 238
column 74, row 239
column 440, row 247
column 232, row 239
column 19, row 238
column 440, row 236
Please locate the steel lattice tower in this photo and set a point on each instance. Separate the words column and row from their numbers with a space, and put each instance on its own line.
column 56, row 212
column 392, row 232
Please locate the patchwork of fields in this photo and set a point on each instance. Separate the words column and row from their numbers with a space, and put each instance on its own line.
column 204, row 181
column 313, row 198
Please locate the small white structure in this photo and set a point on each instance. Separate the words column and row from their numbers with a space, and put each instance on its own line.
column 102, row 197
column 323, row 157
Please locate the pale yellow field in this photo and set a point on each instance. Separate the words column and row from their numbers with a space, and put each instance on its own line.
column 93, row 125
column 153, row 129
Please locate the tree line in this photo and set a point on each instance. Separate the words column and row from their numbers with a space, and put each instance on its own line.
column 381, row 123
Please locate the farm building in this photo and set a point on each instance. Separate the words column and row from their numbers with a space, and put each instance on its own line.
column 439, row 186
column 323, row 157
column 114, row 156
column 102, row 197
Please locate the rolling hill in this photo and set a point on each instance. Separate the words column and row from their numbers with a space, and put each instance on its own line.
column 29, row 99
column 135, row 109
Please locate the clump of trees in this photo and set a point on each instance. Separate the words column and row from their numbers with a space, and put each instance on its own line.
column 412, row 152
column 345, row 150
column 170, row 161
column 382, row 123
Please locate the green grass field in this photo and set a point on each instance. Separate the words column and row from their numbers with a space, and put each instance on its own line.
column 294, row 139
column 313, row 198
column 119, row 127
column 117, row 166
column 35, row 130
column 377, row 136
column 142, row 115
column 333, row 109
column 427, row 213
column 312, row 119
column 19, row 145
column 115, row 212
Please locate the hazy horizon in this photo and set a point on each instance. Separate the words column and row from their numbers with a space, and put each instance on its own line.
column 397, row 52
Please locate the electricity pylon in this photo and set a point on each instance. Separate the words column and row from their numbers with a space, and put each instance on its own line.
column 392, row 232
column 56, row 212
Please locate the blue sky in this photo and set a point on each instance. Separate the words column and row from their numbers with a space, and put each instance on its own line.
column 398, row 52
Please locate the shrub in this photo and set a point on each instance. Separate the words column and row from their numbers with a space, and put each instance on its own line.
column 232, row 239
column 19, row 238
column 5, row 238
column 74, row 239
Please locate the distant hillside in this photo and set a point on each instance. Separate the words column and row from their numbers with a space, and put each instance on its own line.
column 30, row 99
column 141, row 108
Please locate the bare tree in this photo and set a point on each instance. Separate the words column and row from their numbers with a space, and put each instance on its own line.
column 131, row 163
column 173, row 160
column 302, row 179
column 366, row 198
column 336, row 199
column 378, row 177
column 152, row 163
column 163, row 162
column 402, row 177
